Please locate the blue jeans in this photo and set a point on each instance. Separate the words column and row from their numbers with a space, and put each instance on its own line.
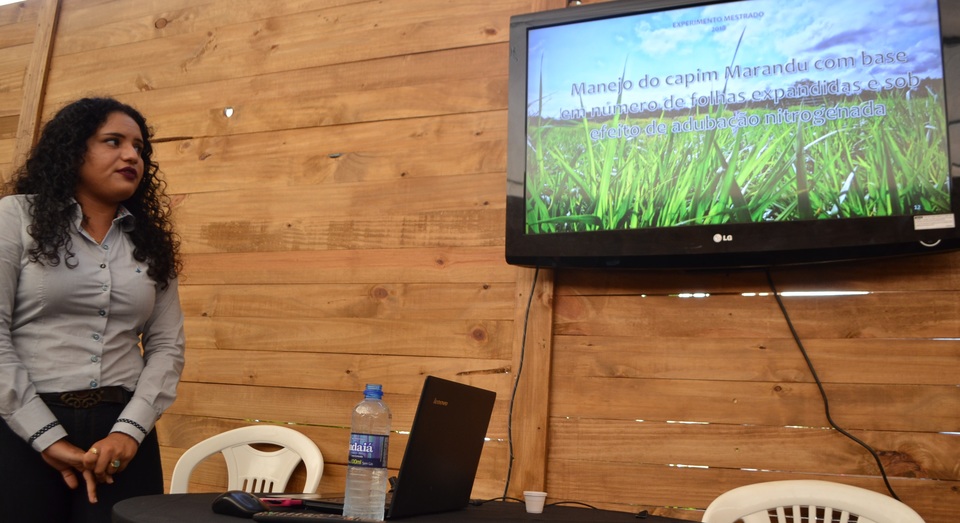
column 32, row 491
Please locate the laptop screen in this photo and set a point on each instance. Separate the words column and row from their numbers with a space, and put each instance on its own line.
column 442, row 454
column 443, row 450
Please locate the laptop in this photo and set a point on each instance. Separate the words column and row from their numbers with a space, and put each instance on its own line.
column 442, row 455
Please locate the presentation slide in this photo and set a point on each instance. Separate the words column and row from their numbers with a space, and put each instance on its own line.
column 739, row 112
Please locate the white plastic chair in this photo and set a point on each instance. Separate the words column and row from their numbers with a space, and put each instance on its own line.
column 787, row 500
column 250, row 469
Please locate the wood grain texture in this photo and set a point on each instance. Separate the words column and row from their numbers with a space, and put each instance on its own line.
column 14, row 60
column 325, row 161
column 529, row 416
column 423, row 265
column 384, row 89
column 272, row 368
column 285, row 42
column 349, row 154
column 18, row 23
column 19, row 29
column 632, row 487
column 35, row 79
column 740, row 446
column 411, row 301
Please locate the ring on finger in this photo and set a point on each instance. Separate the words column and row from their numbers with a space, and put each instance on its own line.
column 115, row 463
column 94, row 451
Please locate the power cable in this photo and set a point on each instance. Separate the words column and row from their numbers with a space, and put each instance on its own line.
column 823, row 393
column 516, row 380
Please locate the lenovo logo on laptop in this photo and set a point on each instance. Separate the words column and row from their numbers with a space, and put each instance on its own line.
column 440, row 402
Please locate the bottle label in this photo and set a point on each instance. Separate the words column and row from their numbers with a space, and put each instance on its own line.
column 368, row 450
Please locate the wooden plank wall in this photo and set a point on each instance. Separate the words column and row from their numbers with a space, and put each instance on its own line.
column 344, row 225
column 18, row 27
column 689, row 384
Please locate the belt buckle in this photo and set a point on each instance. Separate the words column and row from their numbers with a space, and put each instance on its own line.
column 82, row 399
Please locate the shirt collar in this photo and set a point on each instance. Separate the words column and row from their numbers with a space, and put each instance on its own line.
column 124, row 218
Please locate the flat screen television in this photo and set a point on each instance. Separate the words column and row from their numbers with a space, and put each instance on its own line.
column 736, row 133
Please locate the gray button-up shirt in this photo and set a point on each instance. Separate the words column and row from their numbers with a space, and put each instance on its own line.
column 64, row 329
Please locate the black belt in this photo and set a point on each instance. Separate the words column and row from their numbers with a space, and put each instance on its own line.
column 85, row 399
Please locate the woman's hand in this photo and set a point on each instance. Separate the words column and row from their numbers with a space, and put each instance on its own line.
column 69, row 459
column 113, row 454
column 96, row 464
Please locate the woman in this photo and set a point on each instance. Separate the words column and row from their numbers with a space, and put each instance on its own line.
column 88, row 276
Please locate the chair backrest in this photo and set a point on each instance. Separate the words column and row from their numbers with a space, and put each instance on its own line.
column 828, row 501
column 250, row 469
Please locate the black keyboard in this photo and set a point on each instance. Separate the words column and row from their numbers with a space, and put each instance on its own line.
column 297, row 515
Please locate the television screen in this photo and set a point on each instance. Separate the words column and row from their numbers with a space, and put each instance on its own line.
column 739, row 133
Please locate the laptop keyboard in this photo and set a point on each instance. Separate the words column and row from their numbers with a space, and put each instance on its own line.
column 288, row 516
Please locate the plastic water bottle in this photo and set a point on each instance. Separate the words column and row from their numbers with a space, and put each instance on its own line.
column 366, row 490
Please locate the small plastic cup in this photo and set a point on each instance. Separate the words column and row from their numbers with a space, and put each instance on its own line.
column 534, row 500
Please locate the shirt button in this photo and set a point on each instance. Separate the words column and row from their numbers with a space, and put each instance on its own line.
column 94, row 358
column 102, row 312
column 103, row 265
column 105, row 247
column 93, row 384
column 105, row 287
column 96, row 337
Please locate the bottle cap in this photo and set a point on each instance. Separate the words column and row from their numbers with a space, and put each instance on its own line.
column 373, row 390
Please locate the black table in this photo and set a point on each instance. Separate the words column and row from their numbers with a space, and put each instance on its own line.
column 195, row 508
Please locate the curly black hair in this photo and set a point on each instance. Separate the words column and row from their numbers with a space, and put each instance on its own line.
column 50, row 176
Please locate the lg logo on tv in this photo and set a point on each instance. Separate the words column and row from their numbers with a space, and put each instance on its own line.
column 717, row 238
